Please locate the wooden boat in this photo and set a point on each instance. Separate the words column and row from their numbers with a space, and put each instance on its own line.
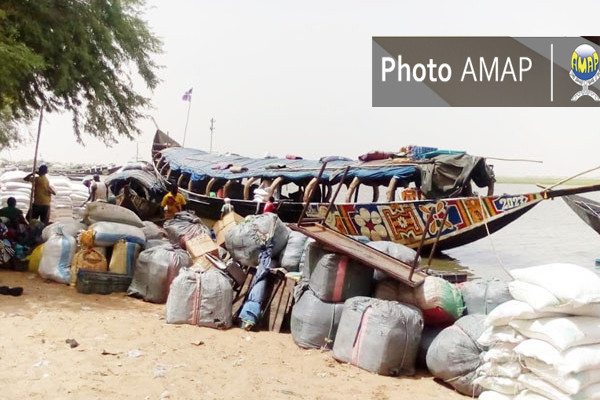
column 138, row 188
column 588, row 210
column 442, row 223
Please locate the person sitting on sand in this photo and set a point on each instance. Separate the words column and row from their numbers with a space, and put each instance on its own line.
column 13, row 215
column 173, row 202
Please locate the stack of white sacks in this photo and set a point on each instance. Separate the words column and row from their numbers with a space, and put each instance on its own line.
column 61, row 206
column 67, row 203
column 79, row 195
column 545, row 344
column 13, row 185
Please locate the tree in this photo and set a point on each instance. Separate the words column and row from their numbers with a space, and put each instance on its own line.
column 78, row 56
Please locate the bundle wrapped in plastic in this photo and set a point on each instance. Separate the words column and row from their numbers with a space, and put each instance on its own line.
column 185, row 226
column 481, row 296
column 396, row 250
column 314, row 323
column 107, row 234
column 57, row 256
column 155, row 270
column 336, row 278
column 454, row 355
column 200, row 298
column 292, row 253
column 98, row 211
column 379, row 336
column 124, row 257
column 153, row 231
column 440, row 301
column 68, row 226
column 245, row 240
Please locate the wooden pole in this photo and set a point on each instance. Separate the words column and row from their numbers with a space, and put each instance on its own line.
column 514, row 159
column 37, row 145
column 187, row 119
column 212, row 128
column 572, row 177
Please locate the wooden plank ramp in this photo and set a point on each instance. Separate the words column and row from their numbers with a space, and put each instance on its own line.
column 362, row 253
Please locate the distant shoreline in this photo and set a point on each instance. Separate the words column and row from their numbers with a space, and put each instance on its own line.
column 545, row 180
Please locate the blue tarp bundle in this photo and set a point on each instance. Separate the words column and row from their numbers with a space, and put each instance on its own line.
column 202, row 165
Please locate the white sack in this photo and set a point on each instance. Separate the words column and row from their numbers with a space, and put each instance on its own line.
column 569, row 283
column 561, row 332
column 573, row 360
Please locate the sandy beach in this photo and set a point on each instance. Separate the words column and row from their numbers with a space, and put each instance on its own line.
column 127, row 351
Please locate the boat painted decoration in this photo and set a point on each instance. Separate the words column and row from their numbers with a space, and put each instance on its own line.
column 406, row 222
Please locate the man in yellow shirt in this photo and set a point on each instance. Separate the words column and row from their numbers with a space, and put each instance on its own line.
column 42, row 195
column 173, row 202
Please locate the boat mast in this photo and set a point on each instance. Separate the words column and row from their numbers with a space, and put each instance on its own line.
column 212, row 128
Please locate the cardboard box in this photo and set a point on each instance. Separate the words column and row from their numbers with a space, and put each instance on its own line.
column 201, row 264
column 201, row 245
column 225, row 224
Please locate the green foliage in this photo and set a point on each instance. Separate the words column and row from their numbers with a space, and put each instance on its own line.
column 76, row 55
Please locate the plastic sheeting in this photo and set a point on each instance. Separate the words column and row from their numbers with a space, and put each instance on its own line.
column 447, row 174
column 144, row 183
column 379, row 336
column 202, row 165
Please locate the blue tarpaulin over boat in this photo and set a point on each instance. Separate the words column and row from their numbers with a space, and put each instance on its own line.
column 202, row 165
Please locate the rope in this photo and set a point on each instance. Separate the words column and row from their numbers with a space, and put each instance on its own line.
column 487, row 229
column 328, row 340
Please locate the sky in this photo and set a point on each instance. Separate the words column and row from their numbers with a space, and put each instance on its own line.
column 295, row 78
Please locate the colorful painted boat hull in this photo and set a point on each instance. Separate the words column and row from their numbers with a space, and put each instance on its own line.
column 399, row 222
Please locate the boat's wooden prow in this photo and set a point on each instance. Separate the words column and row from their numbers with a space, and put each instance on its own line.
column 361, row 252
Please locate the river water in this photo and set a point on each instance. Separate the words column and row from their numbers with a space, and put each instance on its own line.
column 550, row 232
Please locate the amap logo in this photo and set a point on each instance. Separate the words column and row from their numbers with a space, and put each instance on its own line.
column 584, row 70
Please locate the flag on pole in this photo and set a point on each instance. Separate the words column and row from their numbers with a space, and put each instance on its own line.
column 187, row 96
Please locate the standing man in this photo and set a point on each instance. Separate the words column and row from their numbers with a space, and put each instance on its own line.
column 173, row 202
column 42, row 195
column 98, row 190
